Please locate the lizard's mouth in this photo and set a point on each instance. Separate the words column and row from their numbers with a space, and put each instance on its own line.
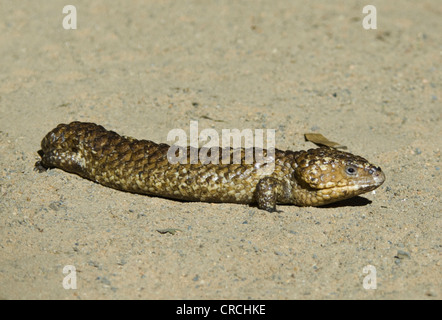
column 319, row 197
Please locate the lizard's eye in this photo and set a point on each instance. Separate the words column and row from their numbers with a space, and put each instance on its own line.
column 350, row 170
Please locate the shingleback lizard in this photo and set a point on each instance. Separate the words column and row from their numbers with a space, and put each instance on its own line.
column 305, row 178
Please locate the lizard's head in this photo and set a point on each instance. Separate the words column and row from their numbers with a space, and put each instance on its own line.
column 330, row 175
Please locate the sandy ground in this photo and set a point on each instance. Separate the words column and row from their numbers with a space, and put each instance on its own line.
column 143, row 68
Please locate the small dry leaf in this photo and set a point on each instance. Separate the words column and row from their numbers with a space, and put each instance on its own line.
column 169, row 230
column 320, row 140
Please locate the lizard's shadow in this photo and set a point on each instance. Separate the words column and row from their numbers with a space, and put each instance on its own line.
column 352, row 202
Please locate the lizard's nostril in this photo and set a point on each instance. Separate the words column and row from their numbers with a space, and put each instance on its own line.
column 379, row 176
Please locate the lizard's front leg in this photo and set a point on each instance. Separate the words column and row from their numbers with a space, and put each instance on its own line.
column 266, row 193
